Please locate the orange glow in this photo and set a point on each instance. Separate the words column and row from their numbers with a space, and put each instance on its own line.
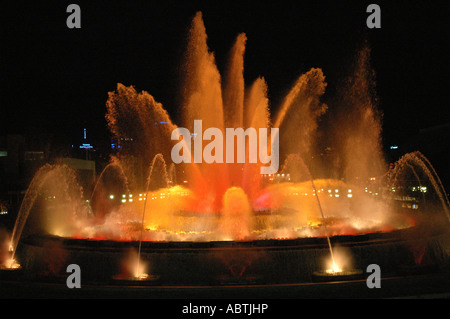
column 11, row 264
column 334, row 268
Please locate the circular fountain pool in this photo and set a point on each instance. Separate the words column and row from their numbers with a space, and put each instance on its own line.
column 232, row 262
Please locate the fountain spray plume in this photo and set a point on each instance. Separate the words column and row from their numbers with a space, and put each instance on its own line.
column 233, row 96
column 256, row 114
column 142, row 126
column 202, row 100
column 355, row 124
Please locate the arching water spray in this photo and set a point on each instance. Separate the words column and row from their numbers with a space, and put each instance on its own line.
column 158, row 157
column 295, row 158
column 420, row 161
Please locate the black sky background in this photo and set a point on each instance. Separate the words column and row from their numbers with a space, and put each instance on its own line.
column 56, row 80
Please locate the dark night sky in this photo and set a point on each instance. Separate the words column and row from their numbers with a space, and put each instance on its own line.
column 55, row 79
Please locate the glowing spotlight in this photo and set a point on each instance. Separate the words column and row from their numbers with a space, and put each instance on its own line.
column 334, row 269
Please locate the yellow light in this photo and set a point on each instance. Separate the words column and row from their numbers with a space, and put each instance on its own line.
column 334, row 268
column 111, row 196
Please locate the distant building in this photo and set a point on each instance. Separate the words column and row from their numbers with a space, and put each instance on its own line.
column 83, row 148
column 20, row 157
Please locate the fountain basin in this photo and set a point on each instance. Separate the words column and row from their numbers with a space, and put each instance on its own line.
column 252, row 262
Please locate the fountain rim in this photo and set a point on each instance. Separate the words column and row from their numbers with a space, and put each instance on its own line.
column 107, row 245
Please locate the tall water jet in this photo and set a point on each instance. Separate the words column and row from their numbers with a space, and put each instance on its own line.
column 202, row 100
column 257, row 112
column 356, row 124
column 202, row 91
column 256, row 115
column 234, row 86
column 233, row 99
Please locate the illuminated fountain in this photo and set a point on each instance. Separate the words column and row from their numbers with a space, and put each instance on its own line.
column 227, row 223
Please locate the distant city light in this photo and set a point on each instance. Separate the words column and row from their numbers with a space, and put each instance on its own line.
column 394, row 147
column 111, row 196
column 86, row 146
